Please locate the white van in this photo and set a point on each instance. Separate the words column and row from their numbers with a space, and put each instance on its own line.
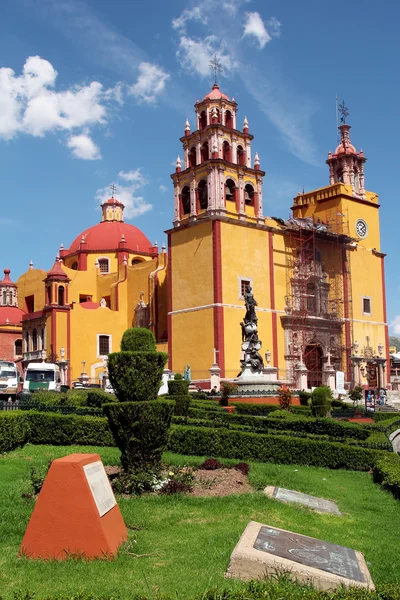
column 9, row 377
column 42, row 376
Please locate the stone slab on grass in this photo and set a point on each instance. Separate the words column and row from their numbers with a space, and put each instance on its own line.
column 264, row 550
column 318, row 504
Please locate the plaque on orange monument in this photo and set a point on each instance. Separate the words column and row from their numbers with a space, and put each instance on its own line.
column 76, row 512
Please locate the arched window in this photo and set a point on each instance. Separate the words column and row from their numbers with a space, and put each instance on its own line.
column 136, row 261
column 34, row 340
column 43, row 340
column 49, row 295
column 249, row 195
column 74, row 266
column 104, row 265
column 241, row 156
column 4, row 297
column 26, row 342
column 203, row 120
column 203, row 194
column 185, row 196
column 230, row 190
column 61, row 295
column 18, row 348
column 204, row 152
column 192, row 157
column 229, row 119
column 226, row 151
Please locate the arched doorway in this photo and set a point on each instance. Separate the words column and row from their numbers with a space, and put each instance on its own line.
column 313, row 361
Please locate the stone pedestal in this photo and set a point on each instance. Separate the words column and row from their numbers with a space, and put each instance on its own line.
column 329, row 377
column 215, row 378
column 356, row 364
column 166, row 376
column 270, row 373
column 301, row 373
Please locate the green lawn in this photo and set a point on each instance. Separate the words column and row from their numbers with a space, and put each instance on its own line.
column 190, row 539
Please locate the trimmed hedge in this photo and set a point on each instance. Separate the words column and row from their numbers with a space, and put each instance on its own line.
column 384, row 416
column 13, row 430
column 19, row 427
column 386, row 471
column 266, row 409
column 226, row 443
column 138, row 339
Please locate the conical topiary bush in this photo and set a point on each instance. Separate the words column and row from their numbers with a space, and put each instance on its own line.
column 139, row 422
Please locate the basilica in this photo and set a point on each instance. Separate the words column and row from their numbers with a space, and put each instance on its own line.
column 318, row 277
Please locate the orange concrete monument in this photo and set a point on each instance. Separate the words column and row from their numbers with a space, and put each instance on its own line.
column 76, row 512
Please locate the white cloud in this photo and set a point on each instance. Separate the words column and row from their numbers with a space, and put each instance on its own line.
column 134, row 205
column 395, row 325
column 30, row 104
column 194, row 14
column 194, row 55
column 150, row 83
column 83, row 147
column 163, row 188
column 254, row 27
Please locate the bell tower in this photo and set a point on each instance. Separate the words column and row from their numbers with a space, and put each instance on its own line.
column 218, row 175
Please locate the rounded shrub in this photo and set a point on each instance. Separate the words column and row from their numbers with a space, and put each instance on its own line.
column 138, row 339
column 321, row 401
column 136, row 376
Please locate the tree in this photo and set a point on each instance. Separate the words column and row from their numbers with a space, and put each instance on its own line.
column 139, row 421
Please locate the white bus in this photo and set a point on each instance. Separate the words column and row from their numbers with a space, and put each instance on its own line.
column 42, row 376
column 9, row 377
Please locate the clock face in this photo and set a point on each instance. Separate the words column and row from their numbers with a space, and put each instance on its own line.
column 361, row 228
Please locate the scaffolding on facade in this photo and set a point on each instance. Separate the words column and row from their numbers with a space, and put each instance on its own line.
column 318, row 319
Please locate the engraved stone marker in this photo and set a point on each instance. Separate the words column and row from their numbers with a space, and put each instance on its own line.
column 75, row 513
column 263, row 549
column 318, row 504
column 100, row 487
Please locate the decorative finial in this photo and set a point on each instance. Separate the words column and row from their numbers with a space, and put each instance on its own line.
column 156, row 244
column 113, row 189
column 245, row 123
column 217, row 68
column 344, row 111
column 256, row 160
column 178, row 163
column 187, row 125
column 61, row 246
column 31, row 264
column 163, row 248
column 214, row 113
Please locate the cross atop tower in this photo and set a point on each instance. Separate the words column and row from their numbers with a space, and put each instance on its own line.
column 344, row 111
column 113, row 189
column 216, row 66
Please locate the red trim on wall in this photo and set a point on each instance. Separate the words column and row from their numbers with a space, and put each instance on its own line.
column 218, row 310
column 53, row 331
column 346, row 314
column 82, row 262
column 385, row 320
column 69, row 347
column 272, row 300
column 169, row 318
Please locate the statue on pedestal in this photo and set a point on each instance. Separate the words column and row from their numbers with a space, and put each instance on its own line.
column 252, row 361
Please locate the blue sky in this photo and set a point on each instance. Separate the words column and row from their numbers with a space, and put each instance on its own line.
column 94, row 92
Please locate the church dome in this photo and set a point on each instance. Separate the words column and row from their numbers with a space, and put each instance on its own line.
column 345, row 149
column 11, row 315
column 215, row 94
column 111, row 232
column 107, row 235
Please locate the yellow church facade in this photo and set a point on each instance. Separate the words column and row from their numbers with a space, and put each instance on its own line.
column 318, row 277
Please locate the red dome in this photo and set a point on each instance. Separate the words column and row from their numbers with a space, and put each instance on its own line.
column 12, row 313
column 107, row 235
column 215, row 94
column 90, row 305
column 348, row 149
